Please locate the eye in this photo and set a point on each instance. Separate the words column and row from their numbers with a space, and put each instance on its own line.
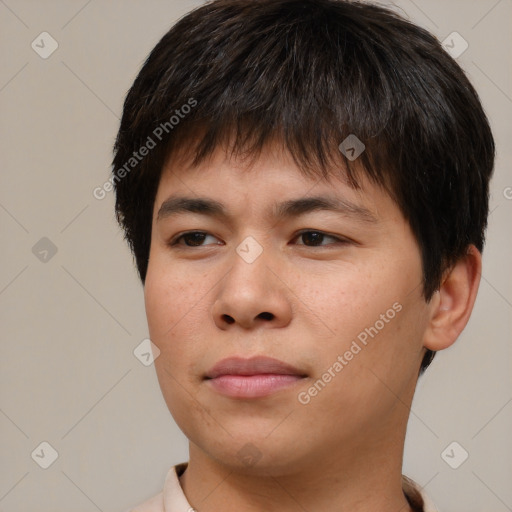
column 196, row 238
column 314, row 238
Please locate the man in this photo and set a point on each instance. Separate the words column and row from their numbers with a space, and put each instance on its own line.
column 304, row 185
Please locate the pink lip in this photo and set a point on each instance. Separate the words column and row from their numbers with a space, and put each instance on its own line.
column 256, row 377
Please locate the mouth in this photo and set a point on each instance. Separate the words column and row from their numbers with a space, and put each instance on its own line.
column 257, row 377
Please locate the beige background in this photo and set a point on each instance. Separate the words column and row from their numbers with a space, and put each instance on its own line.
column 70, row 324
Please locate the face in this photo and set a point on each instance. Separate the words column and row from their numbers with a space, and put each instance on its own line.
column 332, row 293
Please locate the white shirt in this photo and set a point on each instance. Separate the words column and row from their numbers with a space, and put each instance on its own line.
column 172, row 498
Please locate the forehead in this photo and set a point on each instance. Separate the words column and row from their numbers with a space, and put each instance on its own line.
column 272, row 156
column 225, row 183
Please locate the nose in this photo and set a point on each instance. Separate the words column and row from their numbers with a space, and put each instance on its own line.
column 253, row 295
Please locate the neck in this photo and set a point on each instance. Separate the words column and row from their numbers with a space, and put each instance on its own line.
column 365, row 478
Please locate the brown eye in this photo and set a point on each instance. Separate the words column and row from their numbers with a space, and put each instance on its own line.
column 191, row 239
column 315, row 238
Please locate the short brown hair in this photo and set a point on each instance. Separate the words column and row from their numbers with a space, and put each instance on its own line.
column 310, row 73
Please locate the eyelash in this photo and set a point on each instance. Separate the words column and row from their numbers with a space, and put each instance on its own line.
column 343, row 241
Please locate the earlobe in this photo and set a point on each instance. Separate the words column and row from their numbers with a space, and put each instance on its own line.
column 453, row 303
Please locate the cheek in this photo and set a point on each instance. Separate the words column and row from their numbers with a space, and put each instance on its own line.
column 173, row 307
column 342, row 301
column 174, row 297
column 375, row 324
column 175, row 310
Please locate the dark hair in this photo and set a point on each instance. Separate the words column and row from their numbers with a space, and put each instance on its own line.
column 309, row 73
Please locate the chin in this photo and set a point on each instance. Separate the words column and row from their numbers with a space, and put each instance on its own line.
column 256, row 455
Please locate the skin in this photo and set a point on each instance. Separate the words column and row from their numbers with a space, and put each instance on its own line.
column 342, row 450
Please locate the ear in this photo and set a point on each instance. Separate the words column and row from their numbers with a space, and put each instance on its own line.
column 452, row 305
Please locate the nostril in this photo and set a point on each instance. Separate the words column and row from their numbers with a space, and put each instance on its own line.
column 228, row 319
column 266, row 316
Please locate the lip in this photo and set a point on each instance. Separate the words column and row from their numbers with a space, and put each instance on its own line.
column 255, row 377
column 257, row 365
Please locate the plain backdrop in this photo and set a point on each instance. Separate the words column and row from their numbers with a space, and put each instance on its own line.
column 71, row 305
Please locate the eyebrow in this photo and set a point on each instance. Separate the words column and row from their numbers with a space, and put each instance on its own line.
column 284, row 210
